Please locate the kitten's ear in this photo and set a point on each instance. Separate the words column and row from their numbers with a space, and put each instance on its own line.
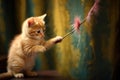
column 43, row 16
column 30, row 22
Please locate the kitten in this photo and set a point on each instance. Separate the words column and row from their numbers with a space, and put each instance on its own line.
column 25, row 47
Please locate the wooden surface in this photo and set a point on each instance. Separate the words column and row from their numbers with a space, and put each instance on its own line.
column 43, row 75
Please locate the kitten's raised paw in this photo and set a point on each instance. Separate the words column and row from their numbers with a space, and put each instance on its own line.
column 58, row 39
column 19, row 75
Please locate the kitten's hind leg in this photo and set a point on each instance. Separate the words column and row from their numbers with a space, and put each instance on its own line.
column 31, row 73
column 17, row 71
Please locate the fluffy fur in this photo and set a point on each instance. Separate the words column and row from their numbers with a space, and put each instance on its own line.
column 26, row 45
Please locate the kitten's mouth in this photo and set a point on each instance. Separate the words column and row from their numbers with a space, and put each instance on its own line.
column 42, row 36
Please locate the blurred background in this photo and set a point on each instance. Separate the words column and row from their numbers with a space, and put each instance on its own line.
column 92, row 54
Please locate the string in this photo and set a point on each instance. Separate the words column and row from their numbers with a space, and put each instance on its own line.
column 73, row 29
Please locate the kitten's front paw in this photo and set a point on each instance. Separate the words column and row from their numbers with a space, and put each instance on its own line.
column 19, row 75
column 42, row 49
column 58, row 39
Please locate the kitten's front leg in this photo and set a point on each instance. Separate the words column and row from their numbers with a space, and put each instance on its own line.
column 53, row 41
column 39, row 48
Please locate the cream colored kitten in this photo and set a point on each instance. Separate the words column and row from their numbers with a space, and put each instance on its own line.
column 25, row 46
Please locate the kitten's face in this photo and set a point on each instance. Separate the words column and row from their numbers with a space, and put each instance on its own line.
column 36, row 27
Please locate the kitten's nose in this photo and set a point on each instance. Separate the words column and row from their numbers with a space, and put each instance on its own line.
column 42, row 35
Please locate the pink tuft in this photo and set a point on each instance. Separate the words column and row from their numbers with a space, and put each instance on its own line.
column 76, row 23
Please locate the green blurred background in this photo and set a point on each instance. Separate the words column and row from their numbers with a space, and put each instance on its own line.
column 94, row 54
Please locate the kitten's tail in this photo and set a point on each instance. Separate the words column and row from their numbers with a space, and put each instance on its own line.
column 6, row 75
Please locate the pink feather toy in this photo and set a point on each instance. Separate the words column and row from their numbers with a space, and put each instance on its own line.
column 76, row 26
column 77, row 23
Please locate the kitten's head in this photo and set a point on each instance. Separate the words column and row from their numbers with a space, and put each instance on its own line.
column 34, row 27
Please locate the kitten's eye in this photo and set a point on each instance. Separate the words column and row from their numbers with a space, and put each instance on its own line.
column 38, row 31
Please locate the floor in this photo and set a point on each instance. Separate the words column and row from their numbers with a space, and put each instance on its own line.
column 43, row 75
